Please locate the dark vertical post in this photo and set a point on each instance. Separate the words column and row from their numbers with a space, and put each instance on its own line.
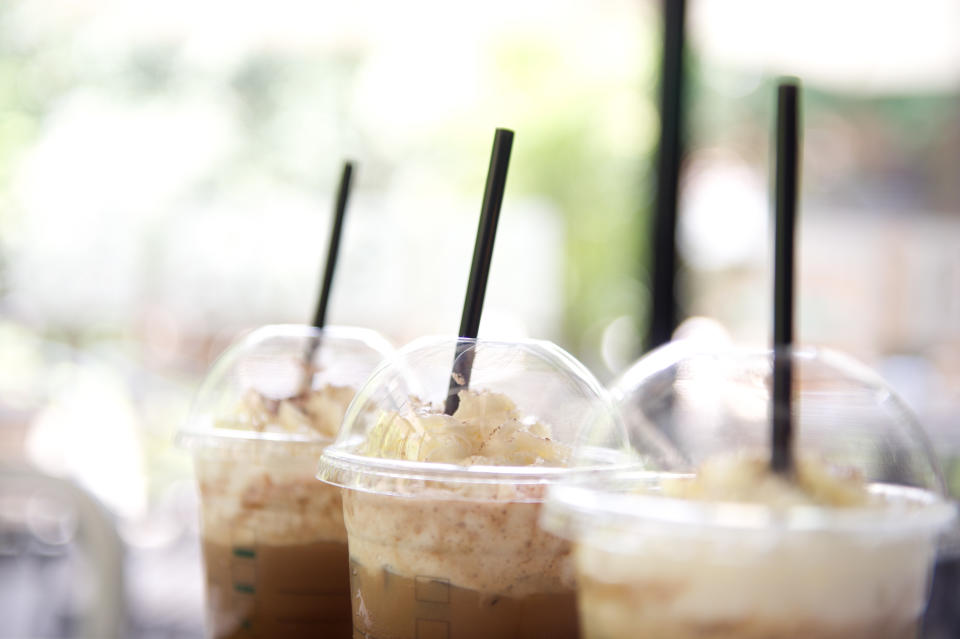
column 785, row 207
column 664, row 312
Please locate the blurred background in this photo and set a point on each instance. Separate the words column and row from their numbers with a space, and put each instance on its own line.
column 167, row 172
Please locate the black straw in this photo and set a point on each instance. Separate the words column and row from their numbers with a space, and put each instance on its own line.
column 333, row 249
column 787, row 153
column 343, row 194
column 664, row 312
column 480, row 268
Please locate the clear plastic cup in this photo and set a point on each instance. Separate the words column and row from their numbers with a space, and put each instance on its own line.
column 671, row 555
column 441, row 512
column 274, row 544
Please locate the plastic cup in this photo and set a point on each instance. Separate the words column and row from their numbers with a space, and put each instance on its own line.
column 653, row 562
column 452, row 548
column 274, row 545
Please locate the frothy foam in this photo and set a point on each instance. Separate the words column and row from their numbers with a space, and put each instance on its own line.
column 491, row 547
column 732, row 584
column 279, row 501
column 697, row 580
column 482, row 537
column 254, row 495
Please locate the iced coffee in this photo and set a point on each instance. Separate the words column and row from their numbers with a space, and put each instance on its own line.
column 273, row 539
column 441, row 510
column 847, row 560
column 840, row 547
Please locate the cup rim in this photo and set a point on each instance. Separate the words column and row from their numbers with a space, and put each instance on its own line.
column 218, row 437
column 572, row 509
column 339, row 468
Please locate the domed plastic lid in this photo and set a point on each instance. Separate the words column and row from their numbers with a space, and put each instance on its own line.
column 281, row 385
column 515, row 425
column 688, row 405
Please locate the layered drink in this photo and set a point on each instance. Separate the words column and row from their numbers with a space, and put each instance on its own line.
column 711, row 543
column 742, row 553
column 274, row 543
column 454, row 560
column 441, row 510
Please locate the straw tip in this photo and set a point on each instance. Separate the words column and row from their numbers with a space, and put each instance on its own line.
column 503, row 131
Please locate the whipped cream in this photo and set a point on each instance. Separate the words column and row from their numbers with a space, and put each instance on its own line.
column 748, row 479
column 314, row 412
column 486, row 430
